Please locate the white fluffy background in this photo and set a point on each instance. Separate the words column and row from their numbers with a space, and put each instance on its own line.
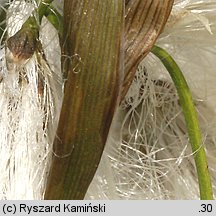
column 147, row 155
column 28, row 119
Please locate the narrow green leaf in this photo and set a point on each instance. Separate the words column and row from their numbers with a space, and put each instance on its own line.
column 192, row 122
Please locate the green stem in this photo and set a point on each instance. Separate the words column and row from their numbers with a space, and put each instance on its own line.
column 43, row 5
column 94, row 30
column 55, row 18
column 3, row 21
column 191, row 119
column 46, row 9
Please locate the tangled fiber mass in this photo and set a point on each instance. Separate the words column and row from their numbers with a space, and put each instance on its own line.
column 147, row 155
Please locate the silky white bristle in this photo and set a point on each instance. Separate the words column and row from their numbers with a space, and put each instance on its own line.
column 30, row 101
column 147, row 155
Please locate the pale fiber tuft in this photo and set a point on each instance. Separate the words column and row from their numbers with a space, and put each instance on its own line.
column 147, row 155
column 30, row 104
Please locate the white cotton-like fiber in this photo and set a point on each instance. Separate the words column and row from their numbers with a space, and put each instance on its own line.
column 30, row 102
column 147, row 155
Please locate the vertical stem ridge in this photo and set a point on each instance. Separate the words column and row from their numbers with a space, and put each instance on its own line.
column 192, row 122
column 93, row 32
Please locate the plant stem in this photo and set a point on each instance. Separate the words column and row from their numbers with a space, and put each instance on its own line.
column 55, row 18
column 93, row 30
column 192, row 121
column 43, row 5
column 3, row 22
column 144, row 21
